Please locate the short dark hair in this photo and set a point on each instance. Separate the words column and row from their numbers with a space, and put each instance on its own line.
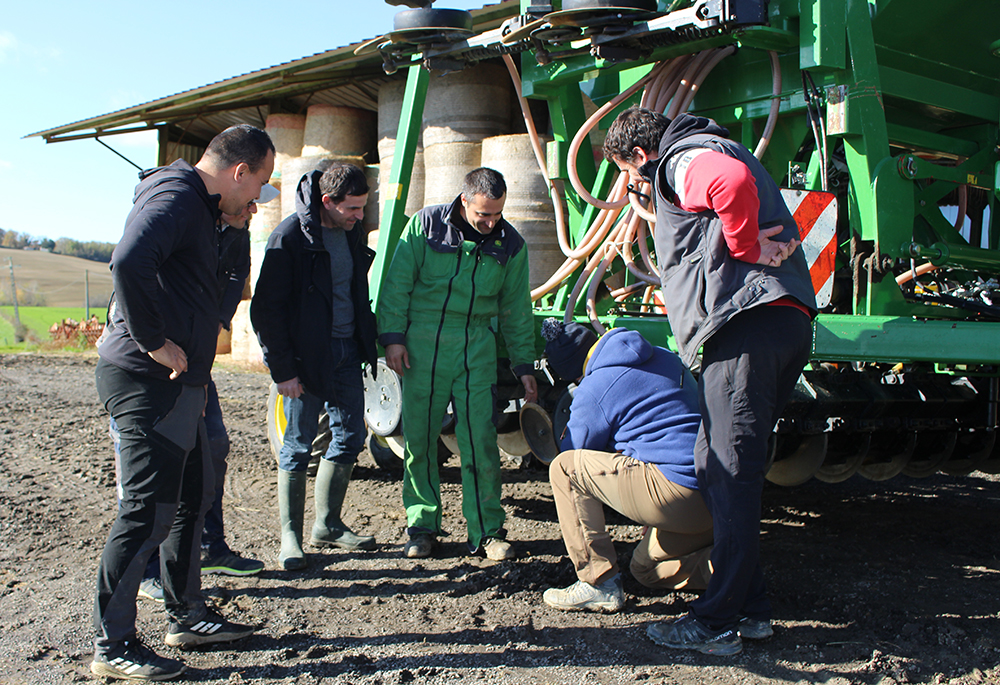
column 635, row 127
column 240, row 143
column 341, row 179
column 484, row 181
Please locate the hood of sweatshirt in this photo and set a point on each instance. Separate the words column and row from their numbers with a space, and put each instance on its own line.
column 309, row 206
column 619, row 347
column 680, row 128
column 177, row 176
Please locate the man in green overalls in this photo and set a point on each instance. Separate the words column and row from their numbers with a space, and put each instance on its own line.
column 457, row 267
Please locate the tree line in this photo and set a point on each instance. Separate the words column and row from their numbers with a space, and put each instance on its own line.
column 84, row 249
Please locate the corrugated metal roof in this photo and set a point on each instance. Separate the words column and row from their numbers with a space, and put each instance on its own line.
column 334, row 77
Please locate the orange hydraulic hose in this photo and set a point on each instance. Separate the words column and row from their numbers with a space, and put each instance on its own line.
column 587, row 270
column 627, row 253
column 907, row 275
column 536, row 146
column 690, row 72
column 772, row 116
column 574, row 147
column 644, row 249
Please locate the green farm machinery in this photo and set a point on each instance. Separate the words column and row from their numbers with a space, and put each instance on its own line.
column 878, row 118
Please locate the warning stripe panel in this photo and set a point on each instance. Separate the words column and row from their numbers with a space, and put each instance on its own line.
column 815, row 214
column 810, row 209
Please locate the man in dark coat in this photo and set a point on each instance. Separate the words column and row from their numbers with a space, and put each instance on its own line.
column 234, row 268
column 154, row 367
column 315, row 325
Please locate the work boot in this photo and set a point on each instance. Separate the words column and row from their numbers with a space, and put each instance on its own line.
column 419, row 546
column 332, row 480
column 291, row 507
column 498, row 550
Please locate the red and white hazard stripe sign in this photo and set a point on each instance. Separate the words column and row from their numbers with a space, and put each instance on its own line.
column 815, row 213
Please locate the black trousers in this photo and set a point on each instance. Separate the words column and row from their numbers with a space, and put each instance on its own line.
column 749, row 370
column 166, row 486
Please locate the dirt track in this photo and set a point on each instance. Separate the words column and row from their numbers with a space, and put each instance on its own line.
column 895, row 582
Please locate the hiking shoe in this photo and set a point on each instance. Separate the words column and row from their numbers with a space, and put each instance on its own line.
column 210, row 629
column 132, row 660
column 419, row 546
column 687, row 632
column 152, row 589
column 229, row 564
column 581, row 596
column 498, row 550
column 752, row 629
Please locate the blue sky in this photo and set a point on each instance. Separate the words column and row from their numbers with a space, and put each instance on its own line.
column 69, row 61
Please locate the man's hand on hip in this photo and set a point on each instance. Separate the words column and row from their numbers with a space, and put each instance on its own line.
column 291, row 388
column 397, row 358
column 774, row 252
column 172, row 357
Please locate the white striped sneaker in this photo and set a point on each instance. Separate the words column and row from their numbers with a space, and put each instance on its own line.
column 132, row 660
column 210, row 629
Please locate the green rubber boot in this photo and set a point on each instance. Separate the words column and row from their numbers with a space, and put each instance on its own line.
column 331, row 487
column 291, row 506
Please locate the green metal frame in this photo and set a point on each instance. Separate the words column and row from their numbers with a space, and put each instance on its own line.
column 911, row 92
column 893, row 198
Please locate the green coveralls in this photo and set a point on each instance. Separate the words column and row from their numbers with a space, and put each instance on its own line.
column 439, row 298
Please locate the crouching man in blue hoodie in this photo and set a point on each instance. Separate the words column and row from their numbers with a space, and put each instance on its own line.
column 629, row 444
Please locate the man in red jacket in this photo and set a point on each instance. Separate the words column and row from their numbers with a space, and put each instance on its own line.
column 739, row 293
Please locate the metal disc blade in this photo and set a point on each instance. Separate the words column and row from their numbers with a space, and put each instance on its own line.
column 522, row 32
column 797, row 459
column 450, row 441
column 512, row 444
column 537, row 429
column 932, row 450
column 888, row 455
column 397, row 443
column 383, row 400
column 845, row 453
column 991, row 464
column 973, row 448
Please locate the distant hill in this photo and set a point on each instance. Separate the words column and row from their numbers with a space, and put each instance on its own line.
column 59, row 279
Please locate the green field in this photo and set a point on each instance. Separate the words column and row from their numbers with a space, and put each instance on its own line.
column 59, row 280
column 37, row 320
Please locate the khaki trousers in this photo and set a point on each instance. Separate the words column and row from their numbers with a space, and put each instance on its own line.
column 674, row 551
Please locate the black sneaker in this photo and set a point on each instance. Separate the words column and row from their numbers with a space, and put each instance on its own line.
column 687, row 632
column 229, row 564
column 753, row 629
column 210, row 629
column 132, row 660
column 151, row 589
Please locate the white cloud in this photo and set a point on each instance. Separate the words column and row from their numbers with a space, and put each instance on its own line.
column 8, row 45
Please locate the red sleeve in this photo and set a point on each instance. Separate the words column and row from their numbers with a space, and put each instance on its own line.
column 725, row 185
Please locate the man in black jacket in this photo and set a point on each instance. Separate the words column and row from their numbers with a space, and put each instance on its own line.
column 312, row 315
column 234, row 269
column 152, row 375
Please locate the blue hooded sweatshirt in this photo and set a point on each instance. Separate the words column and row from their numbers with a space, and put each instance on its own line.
column 638, row 400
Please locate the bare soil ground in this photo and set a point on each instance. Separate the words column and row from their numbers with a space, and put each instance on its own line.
column 895, row 582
